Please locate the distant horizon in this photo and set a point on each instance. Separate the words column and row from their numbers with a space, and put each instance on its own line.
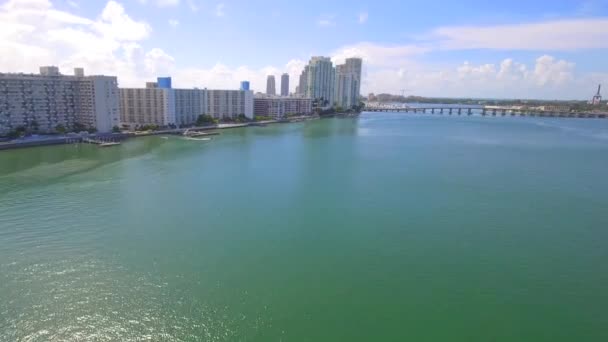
column 483, row 99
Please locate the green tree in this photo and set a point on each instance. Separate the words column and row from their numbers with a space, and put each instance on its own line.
column 116, row 129
column 204, row 120
column 34, row 126
column 60, row 129
column 78, row 127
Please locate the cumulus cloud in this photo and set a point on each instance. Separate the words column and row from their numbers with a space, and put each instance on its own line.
column 173, row 23
column 378, row 54
column 224, row 77
column 34, row 33
column 548, row 77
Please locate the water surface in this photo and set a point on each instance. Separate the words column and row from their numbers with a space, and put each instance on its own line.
column 389, row 227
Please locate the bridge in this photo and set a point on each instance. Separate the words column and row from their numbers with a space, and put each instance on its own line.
column 484, row 111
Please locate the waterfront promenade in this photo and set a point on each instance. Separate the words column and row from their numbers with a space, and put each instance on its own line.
column 49, row 140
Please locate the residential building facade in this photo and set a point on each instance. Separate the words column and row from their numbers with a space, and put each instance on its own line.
column 348, row 83
column 46, row 101
column 147, row 106
column 278, row 107
column 320, row 79
column 182, row 107
column 229, row 103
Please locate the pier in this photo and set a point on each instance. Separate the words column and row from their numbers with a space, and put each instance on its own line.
column 483, row 111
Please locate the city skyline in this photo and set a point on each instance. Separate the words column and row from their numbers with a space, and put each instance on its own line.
column 514, row 50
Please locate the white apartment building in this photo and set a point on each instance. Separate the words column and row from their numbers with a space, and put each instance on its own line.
column 44, row 102
column 189, row 104
column 319, row 80
column 278, row 107
column 229, row 103
column 348, row 83
column 147, row 106
column 167, row 106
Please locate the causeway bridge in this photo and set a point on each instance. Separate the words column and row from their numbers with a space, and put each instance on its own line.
column 484, row 111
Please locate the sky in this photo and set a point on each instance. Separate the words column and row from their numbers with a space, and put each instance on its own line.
column 543, row 49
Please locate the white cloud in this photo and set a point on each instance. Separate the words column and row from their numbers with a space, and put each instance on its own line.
column 512, row 71
column 167, row 3
column 162, row 3
column 326, row 21
column 379, row 55
column 33, row 33
column 363, row 17
column 547, row 78
column 549, row 71
column 224, row 77
column 194, row 7
column 568, row 34
column 73, row 4
column 219, row 10
column 173, row 23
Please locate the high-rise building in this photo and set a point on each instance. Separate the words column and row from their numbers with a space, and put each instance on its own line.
column 348, row 83
column 285, row 85
column 278, row 107
column 166, row 106
column 270, row 85
column 46, row 101
column 319, row 79
column 302, row 85
column 245, row 85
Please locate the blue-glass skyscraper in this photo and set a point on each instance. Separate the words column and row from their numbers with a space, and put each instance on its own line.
column 164, row 82
column 245, row 85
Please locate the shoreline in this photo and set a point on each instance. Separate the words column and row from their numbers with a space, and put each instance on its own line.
column 73, row 139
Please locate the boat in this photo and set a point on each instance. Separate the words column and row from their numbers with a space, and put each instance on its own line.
column 197, row 139
column 108, row 144
column 191, row 134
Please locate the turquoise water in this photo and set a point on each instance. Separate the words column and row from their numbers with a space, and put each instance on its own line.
column 388, row 227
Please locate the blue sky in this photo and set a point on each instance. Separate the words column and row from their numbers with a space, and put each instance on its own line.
column 534, row 49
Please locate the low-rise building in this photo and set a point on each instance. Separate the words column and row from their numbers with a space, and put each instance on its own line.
column 553, row 108
column 278, row 107
column 49, row 102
